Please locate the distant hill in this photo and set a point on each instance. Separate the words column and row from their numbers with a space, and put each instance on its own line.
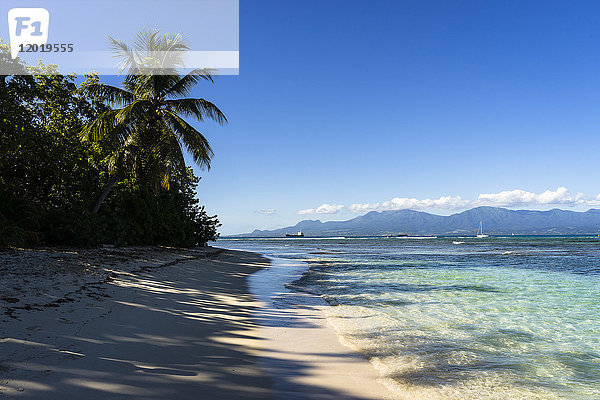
column 496, row 221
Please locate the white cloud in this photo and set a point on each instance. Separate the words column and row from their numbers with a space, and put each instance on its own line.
column 322, row 209
column 402, row 203
column 269, row 211
column 508, row 198
column 513, row 198
column 595, row 202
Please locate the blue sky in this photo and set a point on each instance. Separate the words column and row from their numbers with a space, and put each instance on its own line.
column 389, row 104
column 347, row 102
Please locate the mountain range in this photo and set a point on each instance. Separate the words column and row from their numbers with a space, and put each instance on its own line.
column 496, row 221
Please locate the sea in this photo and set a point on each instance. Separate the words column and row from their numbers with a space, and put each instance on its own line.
column 514, row 317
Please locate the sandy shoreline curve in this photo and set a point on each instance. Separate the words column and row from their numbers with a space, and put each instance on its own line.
column 160, row 323
column 300, row 350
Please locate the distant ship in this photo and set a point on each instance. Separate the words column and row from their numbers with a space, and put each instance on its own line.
column 398, row 235
column 480, row 233
column 299, row 234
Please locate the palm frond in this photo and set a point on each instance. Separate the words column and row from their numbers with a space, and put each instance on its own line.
column 102, row 126
column 168, row 147
column 139, row 110
column 145, row 39
column 156, row 53
column 184, row 85
column 171, row 157
column 129, row 61
column 194, row 142
column 108, row 93
column 197, row 108
column 170, row 52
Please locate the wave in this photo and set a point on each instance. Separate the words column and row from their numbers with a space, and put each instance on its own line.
column 421, row 364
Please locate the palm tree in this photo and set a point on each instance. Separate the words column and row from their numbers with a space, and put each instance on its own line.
column 147, row 128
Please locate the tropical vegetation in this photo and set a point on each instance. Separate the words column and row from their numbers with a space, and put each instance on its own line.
column 88, row 164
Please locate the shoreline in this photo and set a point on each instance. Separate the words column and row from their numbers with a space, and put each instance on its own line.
column 160, row 323
column 293, row 325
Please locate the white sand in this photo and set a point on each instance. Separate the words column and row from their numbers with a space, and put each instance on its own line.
column 155, row 323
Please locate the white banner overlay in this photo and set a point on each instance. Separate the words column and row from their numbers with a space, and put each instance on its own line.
column 112, row 37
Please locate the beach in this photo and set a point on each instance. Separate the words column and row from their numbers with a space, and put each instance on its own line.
column 424, row 225
column 163, row 323
column 459, row 318
column 371, row 318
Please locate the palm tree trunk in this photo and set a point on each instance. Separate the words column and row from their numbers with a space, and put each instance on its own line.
column 104, row 193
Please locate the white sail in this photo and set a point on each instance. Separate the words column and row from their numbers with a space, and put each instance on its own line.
column 480, row 233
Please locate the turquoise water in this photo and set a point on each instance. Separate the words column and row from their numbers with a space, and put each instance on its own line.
column 462, row 318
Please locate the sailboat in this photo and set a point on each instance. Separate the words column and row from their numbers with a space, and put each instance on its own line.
column 480, row 233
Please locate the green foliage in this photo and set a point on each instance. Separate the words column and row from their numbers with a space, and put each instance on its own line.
column 19, row 221
column 146, row 126
column 133, row 215
column 50, row 178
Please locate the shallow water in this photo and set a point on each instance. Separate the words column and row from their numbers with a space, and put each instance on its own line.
column 462, row 318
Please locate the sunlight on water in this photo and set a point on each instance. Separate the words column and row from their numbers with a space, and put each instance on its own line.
column 494, row 319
